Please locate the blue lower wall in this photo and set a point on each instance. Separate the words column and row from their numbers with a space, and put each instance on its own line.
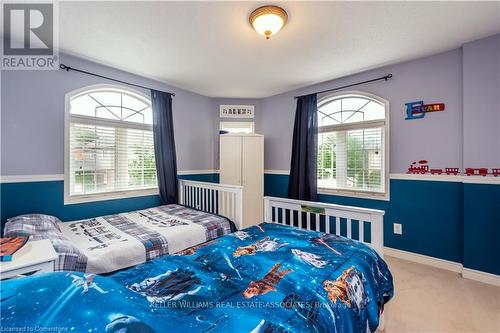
column 202, row 177
column 482, row 227
column 446, row 220
column 48, row 198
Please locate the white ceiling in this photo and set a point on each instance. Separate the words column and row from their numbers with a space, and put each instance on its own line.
column 209, row 47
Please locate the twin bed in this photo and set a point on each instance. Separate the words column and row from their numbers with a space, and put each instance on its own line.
column 108, row 243
column 295, row 274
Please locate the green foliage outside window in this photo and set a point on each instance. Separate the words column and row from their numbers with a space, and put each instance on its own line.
column 142, row 168
column 327, row 163
column 357, row 162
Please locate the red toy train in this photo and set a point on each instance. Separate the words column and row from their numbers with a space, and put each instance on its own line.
column 476, row 171
column 482, row 172
column 421, row 167
column 452, row 171
column 448, row 171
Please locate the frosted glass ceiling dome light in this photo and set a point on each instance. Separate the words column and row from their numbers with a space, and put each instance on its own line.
column 268, row 20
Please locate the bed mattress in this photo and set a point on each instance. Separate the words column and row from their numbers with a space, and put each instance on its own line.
column 267, row 278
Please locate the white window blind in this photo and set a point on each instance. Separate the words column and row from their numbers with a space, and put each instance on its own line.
column 351, row 144
column 110, row 144
column 237, row 126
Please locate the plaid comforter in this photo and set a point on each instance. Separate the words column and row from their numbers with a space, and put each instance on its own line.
column 108, row 243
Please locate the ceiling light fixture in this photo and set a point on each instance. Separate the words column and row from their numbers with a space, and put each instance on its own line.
column 268, row 20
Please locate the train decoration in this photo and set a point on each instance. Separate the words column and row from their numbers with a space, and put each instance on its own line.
column 448, row 171
column 422, row 167
column 417, row 110
column 482, row 172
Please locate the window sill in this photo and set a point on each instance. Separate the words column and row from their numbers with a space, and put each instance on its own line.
column 76, row 199
column 355, row 194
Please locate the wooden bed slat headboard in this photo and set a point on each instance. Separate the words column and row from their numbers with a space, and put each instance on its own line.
column 361, row 224
column 225, row 200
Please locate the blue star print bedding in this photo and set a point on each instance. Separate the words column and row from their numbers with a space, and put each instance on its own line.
column 267, row 278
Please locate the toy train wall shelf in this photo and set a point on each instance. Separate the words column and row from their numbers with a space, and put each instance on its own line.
column 422, row 167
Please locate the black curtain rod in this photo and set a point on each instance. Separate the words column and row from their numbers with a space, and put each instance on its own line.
column 387, row 77
column 68, row 68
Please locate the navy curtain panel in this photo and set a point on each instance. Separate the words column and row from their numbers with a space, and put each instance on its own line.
column 163, row 134
column 302, row 184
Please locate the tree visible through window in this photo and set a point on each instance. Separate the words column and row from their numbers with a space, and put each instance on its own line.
column 351, row 144
column 110, row 143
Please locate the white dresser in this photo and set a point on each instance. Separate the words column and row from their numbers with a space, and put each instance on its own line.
column 242, row 163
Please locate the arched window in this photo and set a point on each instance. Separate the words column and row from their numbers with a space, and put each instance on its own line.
column 109, row 144
column 353, row 145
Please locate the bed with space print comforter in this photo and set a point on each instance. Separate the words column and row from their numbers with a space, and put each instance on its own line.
column 267, row 278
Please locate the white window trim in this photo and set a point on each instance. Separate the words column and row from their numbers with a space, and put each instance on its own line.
column 94, row 197
column 372, row 123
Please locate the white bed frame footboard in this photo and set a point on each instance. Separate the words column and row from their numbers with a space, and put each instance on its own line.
column 225, row 200
column 337, row 219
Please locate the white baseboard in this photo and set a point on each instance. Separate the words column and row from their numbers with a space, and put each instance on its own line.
column 423, row 259
column 452, row 266
column 484, row 277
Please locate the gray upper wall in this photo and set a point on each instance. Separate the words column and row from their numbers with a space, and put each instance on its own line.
column 481, row 98
column 435, row 138
column 438, row 137
column 466, row 134
column 32, row 118
column 238, row 101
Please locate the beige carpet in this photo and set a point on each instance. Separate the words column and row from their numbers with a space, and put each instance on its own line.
column 429, row 299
